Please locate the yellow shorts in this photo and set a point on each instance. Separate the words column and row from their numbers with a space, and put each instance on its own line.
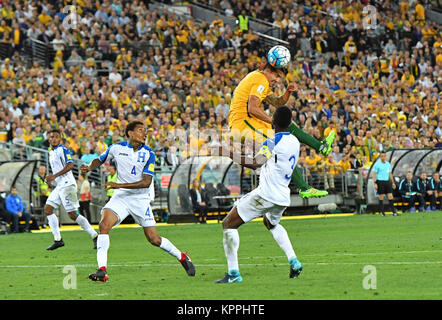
column 251, row 129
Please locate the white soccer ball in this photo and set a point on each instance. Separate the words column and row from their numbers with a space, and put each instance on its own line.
column 278, row 56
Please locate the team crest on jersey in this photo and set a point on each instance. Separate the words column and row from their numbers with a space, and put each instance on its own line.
column 141, row 157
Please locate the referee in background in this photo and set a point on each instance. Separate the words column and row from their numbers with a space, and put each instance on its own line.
column 384, row 182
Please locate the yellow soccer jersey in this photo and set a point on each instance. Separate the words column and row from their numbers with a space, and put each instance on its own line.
column 254, row 84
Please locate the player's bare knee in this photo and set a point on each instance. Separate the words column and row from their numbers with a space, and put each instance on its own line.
column 104, row 227
column 225, row 224
column 267, row 223
column 48, row 210
column 73, row 215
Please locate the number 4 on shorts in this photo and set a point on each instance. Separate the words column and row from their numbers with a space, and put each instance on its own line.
column 133, row 171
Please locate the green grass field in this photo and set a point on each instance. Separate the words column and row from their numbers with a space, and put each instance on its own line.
column 405, row 250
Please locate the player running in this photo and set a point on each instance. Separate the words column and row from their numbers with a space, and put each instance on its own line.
column 65, row 193
column 248, row 120
column 277, row 159
column 132, row 196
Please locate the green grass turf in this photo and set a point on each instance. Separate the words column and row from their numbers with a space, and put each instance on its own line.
column 406, row 252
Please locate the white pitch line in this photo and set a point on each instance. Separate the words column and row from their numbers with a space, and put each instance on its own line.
column 163, row 263
column 223, row 265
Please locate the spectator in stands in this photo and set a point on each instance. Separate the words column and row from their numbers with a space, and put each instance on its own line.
column 88, row 155
column 407, row 190
column 436, row 187
column 112, row 177
column 434, row 184
column 389, row 104
column 43, row 190
column 199, row 205
column 84, row 190
column 423, row 191
column 14, row 206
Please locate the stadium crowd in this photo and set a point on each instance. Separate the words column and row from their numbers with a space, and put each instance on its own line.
column 377, row 87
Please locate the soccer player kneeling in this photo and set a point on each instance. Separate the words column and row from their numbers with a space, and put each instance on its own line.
column 277, row 159
column 135, row 169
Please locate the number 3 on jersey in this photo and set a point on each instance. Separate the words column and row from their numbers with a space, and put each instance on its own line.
column 292, row 158
column 133, row 171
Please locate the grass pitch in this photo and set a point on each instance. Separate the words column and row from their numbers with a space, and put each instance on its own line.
column 405, row 253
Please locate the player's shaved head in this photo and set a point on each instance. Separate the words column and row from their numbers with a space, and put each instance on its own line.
column 282, row 117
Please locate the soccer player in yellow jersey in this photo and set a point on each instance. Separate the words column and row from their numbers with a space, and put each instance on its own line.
column 248, row 120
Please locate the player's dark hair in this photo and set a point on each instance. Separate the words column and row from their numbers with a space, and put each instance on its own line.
column 131, row 126
column 273, row 69
column 282, row 117
column 55, row 131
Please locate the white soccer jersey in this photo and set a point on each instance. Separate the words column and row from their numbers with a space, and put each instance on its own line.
column 131, row 166
column 58, row 158
column 282, row 153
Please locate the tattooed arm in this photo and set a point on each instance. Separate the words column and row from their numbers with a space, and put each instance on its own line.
column 281, row 100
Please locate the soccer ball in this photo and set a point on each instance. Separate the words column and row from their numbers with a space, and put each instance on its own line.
column 278, row 57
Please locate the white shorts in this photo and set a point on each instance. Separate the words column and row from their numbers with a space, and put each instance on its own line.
column 66, row 196
column 139, row 208
column 252, row 206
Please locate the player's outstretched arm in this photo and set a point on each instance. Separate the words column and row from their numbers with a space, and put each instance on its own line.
column 145, row 182
column 246, row 161
column 281, row 100
column 96, row 163
column 68, row 167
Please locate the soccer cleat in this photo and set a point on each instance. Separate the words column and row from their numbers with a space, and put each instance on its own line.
column 233, row 276
column 95, row 242
column 312, row 192
column 56, row 244
column 187, row 264
column 395, row 214
column 100, row 275
column 327, row 143
column 295, row 268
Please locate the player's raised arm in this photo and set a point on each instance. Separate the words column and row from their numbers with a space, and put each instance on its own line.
column 249, row 162
column 281, row 100
column 97, row 162
column 145, row 182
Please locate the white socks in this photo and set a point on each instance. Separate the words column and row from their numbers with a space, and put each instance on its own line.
column 231, row 245
column 82, row 221
column 53, row 224
column 281, row 237
column 102, row 247
column 167, row 246
column 85, row 225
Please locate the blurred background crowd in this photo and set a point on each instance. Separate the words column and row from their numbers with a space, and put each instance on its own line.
column 374, row 78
